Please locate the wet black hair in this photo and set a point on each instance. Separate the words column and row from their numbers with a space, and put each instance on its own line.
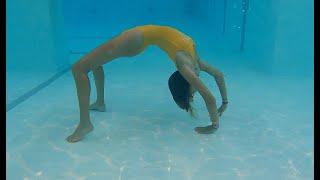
column 180, row 91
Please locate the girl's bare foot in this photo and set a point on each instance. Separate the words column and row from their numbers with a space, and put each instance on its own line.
column 79, row 133
column 97, row 107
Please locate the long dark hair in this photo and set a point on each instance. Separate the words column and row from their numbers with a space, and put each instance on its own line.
column 180, row 91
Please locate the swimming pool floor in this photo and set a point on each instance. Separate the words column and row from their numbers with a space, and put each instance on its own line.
column 266, row 132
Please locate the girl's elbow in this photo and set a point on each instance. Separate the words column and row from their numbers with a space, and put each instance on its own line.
column 219, row 74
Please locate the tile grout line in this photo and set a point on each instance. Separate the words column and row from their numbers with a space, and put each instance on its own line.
column 35, row 90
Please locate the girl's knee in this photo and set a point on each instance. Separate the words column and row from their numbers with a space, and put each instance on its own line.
column 78, row 68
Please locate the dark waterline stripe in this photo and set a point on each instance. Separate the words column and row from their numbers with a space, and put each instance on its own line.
column 36, row 89
column 224, row 16
column 245, row 7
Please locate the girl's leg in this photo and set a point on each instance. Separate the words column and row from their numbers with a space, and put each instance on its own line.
column 127, row 44
column 83, row 92
column 99, row 82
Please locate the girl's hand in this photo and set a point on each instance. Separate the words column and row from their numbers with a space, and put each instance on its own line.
column 207, row 129
column 222, row 108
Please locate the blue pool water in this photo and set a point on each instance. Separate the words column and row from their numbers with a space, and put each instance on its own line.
column 266, row 132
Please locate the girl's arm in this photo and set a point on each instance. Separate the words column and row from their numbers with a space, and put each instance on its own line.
column 218, row 76
column 182, row 66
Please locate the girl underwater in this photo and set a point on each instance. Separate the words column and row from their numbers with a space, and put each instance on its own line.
column 182, row 84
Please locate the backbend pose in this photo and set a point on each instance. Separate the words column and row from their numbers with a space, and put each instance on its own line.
column 182, row 83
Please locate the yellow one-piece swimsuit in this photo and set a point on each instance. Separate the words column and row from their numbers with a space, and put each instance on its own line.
column 168, row 39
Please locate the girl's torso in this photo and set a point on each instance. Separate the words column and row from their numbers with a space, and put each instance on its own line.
column 168, row 39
